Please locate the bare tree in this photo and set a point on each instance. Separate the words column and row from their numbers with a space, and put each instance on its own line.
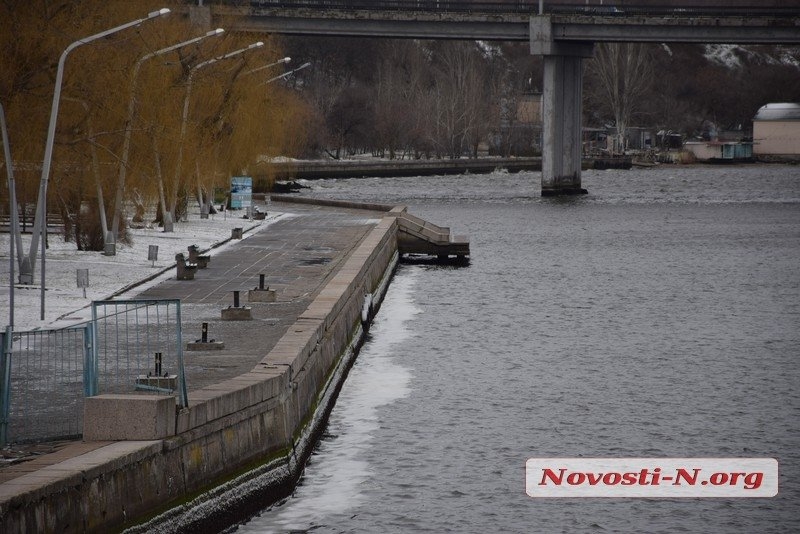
column 624, row 73
column 460, row 97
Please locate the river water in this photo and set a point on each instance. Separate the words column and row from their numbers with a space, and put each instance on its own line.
column 658, row 316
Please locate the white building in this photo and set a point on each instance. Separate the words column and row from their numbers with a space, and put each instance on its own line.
column 776, row 132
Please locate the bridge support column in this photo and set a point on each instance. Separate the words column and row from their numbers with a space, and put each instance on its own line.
column 561, row 134
column 561, row 102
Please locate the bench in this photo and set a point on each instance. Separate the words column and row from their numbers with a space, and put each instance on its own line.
column 185, row 270
column 196, row 257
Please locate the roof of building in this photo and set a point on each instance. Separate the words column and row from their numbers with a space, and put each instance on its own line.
column 780, row 111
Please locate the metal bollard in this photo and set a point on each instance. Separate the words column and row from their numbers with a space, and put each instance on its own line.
column 235, row 299
column 158, row 364
column 261, row 281
column 204, row 333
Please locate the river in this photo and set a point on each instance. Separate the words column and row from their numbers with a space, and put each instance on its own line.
column 658, row 316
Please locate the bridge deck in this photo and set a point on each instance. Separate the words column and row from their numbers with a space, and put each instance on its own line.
column 510, row 21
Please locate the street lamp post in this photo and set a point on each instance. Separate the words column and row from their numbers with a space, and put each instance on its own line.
column 110, row 241
column 40, row 224
column 14, row 237
column 289, row 73
column 263, row 67
column 185, row 116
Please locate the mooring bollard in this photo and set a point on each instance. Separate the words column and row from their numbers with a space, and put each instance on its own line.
column 236, row 312
column 157, row 381
column 262, row 293
column 203, row 343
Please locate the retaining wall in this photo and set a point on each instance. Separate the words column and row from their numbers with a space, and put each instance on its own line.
column 255, row 419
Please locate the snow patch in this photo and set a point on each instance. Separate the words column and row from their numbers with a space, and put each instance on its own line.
column 724, row 54
column 64, row 301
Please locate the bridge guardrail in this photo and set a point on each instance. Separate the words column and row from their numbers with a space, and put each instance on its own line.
column 721, row 9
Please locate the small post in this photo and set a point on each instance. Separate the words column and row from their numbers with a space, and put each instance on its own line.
column 6, row 345
column 235, row 299
column 152, row 254
column 90, row 382
column 261, row 281
column 158, row 364
column 83, row 280
column 204, row 333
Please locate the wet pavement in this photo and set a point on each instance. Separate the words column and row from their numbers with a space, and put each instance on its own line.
column 297, row 255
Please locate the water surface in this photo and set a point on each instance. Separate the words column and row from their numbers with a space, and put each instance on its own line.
column 658, row 316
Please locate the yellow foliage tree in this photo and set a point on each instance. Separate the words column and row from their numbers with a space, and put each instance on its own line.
column 223, row 129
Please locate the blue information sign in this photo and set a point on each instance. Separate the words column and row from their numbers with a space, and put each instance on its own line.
column 241, row 192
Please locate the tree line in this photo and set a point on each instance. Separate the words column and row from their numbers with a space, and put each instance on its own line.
column 191, row 122
column 414, row 98
column 384, row 97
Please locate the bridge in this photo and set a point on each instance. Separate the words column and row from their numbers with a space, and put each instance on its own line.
column 563, row 34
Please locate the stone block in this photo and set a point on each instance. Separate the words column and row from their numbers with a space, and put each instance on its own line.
column 237, row 314
column 261, row 295
column 166, row 383
column 208, row 345
column 128, row 417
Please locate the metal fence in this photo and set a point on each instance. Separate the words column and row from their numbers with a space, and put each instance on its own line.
column 129, row 346
column 42, row 388
column 138, row 348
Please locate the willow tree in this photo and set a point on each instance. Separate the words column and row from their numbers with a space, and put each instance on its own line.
column 33, row 35
column 624, row 73
column 237, row 118
column 96, row 168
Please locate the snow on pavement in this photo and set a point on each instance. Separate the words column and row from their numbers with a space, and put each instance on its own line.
column 108, row 275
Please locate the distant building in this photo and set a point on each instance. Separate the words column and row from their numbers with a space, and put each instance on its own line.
column 776, row 132
column 529, row 109
column 720, row 151
column 520, row 132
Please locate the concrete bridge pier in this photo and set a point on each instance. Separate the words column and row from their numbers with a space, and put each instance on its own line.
column 562, row 112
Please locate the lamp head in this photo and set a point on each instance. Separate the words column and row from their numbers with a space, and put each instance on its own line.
column 154, row 14
column 214, row 32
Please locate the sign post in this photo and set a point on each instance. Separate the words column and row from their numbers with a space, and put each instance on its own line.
column 241, row 192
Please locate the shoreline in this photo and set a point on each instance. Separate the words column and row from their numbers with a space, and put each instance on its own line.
column 268, row 417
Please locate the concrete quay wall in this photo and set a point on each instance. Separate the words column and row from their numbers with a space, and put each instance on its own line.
column 260, row 421
column 361, row 169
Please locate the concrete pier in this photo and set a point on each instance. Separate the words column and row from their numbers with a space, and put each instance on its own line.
column 562, row 108
column 254, row 407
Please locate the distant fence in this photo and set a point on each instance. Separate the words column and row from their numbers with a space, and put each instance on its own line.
column 43, row 384
column 129, row 346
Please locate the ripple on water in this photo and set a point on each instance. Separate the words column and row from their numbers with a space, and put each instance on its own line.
column 656, row 316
